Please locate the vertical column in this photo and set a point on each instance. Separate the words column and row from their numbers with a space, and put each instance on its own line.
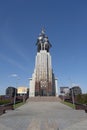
column 56, row 87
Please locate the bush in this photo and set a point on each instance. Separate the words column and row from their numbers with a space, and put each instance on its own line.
column 4, row 102
column 82, row 99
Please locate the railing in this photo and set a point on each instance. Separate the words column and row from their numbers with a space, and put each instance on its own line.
column 5, row 107
column 79, row 106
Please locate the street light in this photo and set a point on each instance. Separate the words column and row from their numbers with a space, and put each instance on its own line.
column 17, row 78
column 14, row 97
column 72, row 94
column 73, row 100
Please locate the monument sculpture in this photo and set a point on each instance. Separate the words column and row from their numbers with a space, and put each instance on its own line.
column 43, row 81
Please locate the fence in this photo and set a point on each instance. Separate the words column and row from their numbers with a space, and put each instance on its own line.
column 5, row 107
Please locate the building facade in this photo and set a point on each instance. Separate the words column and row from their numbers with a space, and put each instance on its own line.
column 43, row 81
column 22, row 91
column 11, row 91
column 75, row 90
column 64, row 90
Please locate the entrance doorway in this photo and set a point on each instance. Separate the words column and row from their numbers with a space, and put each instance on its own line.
column 43, row 92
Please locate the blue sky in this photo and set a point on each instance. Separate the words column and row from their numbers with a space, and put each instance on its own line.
column 65, row 22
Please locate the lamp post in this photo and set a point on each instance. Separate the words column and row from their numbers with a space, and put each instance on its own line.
column 24, row 92
column 15, row 90
column 73, row 100
column 72, row 94
column 14, row 97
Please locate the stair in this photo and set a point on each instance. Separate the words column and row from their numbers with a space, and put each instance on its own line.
column 44, row 99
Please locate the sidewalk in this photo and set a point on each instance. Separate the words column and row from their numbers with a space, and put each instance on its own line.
column 78, row 126
column 44, row 116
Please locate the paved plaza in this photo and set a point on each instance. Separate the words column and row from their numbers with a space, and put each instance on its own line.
column 44, row 116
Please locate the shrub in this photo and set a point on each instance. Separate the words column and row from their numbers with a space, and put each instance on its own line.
column 82, row 99
column 4, row 102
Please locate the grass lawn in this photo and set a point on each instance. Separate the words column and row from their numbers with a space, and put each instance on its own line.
column 18, row 105
column 68, row 104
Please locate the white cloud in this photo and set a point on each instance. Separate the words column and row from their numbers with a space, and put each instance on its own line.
column 13, row 75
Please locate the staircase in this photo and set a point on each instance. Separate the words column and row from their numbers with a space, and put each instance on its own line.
column 44, row 99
